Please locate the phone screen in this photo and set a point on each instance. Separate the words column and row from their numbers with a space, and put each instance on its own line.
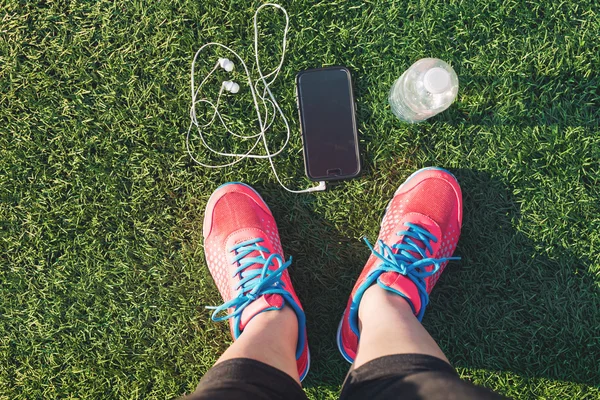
column 328, row 123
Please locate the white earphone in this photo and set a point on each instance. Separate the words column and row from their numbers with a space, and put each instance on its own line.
column 265, row 104
column 226, row 64
column 231, row 87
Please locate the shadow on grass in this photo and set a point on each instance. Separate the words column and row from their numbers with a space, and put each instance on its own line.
column 509, row 305
column 564, row 100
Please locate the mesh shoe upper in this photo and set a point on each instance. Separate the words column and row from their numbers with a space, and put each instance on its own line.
column 245, row 258
column 418, row 235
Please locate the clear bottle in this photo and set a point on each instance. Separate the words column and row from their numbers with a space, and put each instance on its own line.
column 427, row 88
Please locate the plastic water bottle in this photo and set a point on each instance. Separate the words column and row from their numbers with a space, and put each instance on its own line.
column 427, row 88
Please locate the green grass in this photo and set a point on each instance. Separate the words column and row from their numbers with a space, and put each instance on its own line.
column 103, row 282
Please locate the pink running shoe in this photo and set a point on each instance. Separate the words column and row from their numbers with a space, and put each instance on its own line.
column 245, row 259
column 418, row 235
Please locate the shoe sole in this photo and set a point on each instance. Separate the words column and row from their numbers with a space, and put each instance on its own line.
column 339, row 341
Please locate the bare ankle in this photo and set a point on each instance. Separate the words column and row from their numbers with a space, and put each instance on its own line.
column 285, row 320
column 377, row 300
column 270, row 337
column 389, row 326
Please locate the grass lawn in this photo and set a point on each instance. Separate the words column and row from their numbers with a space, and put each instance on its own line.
column 103, row 281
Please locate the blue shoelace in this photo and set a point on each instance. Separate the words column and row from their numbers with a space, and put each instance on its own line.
column 253, row 283
column 408, row 264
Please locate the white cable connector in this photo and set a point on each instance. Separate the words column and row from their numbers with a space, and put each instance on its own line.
column 265, row 104
column 322, row 186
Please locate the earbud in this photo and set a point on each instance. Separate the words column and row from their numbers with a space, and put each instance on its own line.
column 231, row 86
column 265, row 105
column 226, row 64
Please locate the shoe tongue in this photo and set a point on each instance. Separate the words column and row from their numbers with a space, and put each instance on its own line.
column 265, row 302
column 247, row 234
column 403, row 286
column 400, row 284
column 428, row 224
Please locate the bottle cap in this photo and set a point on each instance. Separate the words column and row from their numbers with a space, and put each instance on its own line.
column 437, row 80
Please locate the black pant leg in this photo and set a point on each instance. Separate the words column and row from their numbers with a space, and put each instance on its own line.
column 243, row 378
column 410, row 377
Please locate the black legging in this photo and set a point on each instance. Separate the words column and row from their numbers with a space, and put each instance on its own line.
column 401, row 376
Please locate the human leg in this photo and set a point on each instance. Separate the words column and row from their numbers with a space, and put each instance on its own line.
column 271, row 338
column 418, row 235
column 245, row 258
column 393, row 355
column 260, row 364
column 397, row 358
column 388, row 326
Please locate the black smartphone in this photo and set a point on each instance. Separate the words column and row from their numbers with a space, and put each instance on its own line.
column 328, row 122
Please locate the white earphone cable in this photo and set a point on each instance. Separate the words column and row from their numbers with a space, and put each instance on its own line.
column 265, row 121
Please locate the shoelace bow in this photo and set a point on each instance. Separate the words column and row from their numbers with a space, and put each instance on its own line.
column 255, row 282
column 410, row 259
